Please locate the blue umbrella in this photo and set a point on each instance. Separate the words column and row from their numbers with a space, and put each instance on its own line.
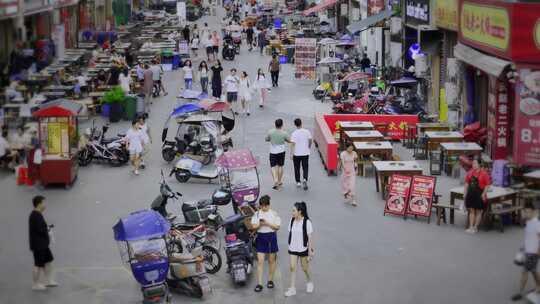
column 185, row 109
column 141, row 225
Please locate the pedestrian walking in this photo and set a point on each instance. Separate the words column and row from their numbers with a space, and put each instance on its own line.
column 477, row 182
column 215, row 44
column 146, row 137
column 140, row 72
column 301, row 141
column 157, row 74
column 261, row 40
column 278, row 139
column 135, row 141
column 274, row 67
column 188, row 75
column 209, row 44
column 148, row 87
column 245, row 92
column 530, row 250
column 365, row 63
column 216, row 80
column 185, row 33
column 232, row 83
column 195, row 45
column 125, row 81
column 267, row 222
column 300, row 246
column 39, row 236
column 261, row 84
column 249, row 37
column 347, row 164
column 203, row 76
column 194, row 31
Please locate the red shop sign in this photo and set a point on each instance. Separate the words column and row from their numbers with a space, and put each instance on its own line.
column 395, row 124
column 498, row 119
column 527, row 118
column 398, row 195
column 421, row 196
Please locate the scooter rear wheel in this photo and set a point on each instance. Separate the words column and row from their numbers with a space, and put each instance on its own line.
column 182, row 175
column 168, row 154
column 84, row 158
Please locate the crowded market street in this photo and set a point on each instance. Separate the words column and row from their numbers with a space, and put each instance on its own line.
column 361, row 255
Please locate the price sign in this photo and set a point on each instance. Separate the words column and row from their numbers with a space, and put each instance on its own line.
column 398, row 195
column 421, row 198
column 527, row 119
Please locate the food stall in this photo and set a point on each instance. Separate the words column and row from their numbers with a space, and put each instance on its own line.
column 58, row 132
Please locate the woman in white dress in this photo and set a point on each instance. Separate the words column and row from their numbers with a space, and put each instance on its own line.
column 262, row 86
column 125, row 81
column 245, row 92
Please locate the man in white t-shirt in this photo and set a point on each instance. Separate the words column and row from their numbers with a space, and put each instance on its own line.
column 157, row 73
column 531, row 250
column 135, row 140
column 231, row 85
column 301, row 141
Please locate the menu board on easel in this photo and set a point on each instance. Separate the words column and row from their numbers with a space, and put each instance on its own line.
column 305, row 58
column 398, row 195
column 421, row 195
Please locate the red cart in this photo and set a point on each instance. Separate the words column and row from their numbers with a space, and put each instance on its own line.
column 58, row 137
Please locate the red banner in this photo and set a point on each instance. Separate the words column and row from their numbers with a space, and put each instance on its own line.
column 421, row 197
column 527, row 118
column 395, row 124
column 498, row 119
column 398, row 194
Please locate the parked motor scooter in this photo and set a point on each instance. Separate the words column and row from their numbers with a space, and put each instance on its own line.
column 95, row 146
column 187, row 274
column 187, row 168
column 238, row 249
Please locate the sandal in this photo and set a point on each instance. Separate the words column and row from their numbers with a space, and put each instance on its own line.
column 270, row 284
column 258, row 288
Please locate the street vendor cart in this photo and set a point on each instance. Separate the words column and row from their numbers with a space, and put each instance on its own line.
column 58, row 129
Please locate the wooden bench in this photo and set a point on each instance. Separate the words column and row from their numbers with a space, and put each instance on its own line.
column 497, row 214
column 440, row 211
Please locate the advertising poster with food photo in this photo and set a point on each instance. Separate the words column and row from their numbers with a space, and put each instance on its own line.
column 527, row 120
column 421, row 196
column 398, row 194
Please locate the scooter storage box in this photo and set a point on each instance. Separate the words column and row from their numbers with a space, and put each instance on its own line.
column 187, row 269
column 221, row 197
column 199, row 212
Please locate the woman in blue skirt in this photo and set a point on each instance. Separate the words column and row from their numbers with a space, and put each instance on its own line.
column 267, row 222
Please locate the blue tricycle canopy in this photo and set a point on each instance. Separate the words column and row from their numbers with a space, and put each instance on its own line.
column 141, row 225
column 185, row 109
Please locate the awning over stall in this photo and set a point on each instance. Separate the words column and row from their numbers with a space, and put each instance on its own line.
column 364, row 24
column 489, row 64
column 319, row 7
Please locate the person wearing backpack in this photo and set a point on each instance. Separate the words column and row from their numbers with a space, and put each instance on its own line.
column 477, row 183
column 300, row 246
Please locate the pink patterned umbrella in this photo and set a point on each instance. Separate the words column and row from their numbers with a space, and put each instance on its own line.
column 237, row 159
column 356, row 76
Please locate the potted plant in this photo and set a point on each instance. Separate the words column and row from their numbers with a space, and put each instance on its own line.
column 114, row 100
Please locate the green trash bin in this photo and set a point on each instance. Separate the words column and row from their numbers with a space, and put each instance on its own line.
column 131, row 107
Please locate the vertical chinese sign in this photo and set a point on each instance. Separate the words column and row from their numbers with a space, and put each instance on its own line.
column 527, row 119
column 305, row 58
column 498, row 120
column 398, row 195
column 421, row 198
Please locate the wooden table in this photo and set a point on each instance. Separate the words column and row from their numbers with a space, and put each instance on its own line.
column 532, row 177
column 363, row 135
column 432, row 126
column 383, row 149
column 495, row 195
column 434, row 138
column 383, row 169
column 457, row 149
column 352, row 126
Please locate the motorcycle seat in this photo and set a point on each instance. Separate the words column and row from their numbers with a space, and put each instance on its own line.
column 185, row 226
column 108, row 140
column 190, row 206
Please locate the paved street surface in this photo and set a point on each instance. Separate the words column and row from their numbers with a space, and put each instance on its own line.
column 361, row 256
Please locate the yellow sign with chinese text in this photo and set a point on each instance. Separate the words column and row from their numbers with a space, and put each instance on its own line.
column 537, row 33
column 446, row 14
column 486, row 25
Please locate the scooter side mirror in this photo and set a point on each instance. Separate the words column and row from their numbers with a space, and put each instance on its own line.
column 178, row 193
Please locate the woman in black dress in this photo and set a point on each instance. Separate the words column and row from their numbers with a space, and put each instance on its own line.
column 216, row 79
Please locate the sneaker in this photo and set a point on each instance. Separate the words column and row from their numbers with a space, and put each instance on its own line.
column 248, row 114
column 309, row 287
column 305, row 184
column 39, row 287
column 143, row 166
column 136, row 172
column 298, row 185
column 52, row 284
column 290, row 292
column 470, row 230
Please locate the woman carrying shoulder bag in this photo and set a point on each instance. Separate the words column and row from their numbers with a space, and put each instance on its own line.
column 300, row 246
column 266, row 221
